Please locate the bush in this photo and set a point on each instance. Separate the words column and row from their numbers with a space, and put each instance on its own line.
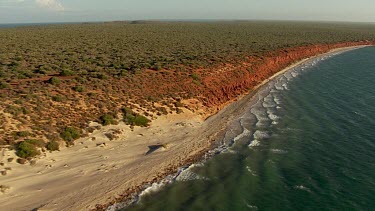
column 57, row 98
column 107, row 119
column 20, row 134
column 70, row 134
column 141, row 121
column 52, row 146
column 195, row 77
column 157, row 66
column 4, row 85
column 66, row 73
column 54, row 81
column 131, row 118
column 79, row 88
column 36, row 142
column 27, row 150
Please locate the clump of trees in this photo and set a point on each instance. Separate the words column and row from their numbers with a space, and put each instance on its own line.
column 70, row 134
column 28, row 148
column 134, row 119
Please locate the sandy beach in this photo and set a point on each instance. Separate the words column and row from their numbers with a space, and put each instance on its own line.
column 98, row 171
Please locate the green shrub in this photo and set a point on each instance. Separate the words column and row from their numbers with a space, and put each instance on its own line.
column 107, row 119
column 2, row 74
column 52, row 146
column 4, row 85
column 57, row 98
column 70, row 134
column 36, row 142
column 129, row 115
column 131, row 118
column 66, row 73
column 141, row 121
column 101, row 76
column 157, row 66
column 27, row 150
column 20, row 134
column 54, row 81
column 195, row 77
column 79, row 88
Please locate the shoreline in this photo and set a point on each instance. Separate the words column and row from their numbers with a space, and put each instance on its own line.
column 92, row 176
column 214, row 150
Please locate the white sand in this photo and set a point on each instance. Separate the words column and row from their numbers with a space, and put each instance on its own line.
column 84, row 175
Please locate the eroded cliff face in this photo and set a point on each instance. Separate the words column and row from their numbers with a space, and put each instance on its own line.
column 226, row 84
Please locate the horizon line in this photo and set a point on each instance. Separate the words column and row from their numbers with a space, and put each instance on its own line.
column 188, row 20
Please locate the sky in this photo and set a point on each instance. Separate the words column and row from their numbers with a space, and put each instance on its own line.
column 41, row 11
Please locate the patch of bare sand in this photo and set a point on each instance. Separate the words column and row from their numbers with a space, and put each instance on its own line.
column 96, row 170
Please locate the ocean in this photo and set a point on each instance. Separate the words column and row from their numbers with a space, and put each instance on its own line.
column 306, row 143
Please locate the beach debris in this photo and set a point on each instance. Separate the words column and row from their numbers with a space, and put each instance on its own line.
column 113, row 134
column 4, row 188
column 101, row 144
column 153, row 148
column 2, row 164
column 21, row 161
column 4, row 173
column 110, row 136
column 32, row 162
column 10, row 160
column 181, row 124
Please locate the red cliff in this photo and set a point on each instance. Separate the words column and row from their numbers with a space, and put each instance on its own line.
column 225, row 84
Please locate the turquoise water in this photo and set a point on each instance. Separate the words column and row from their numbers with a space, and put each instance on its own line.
column 307, row 143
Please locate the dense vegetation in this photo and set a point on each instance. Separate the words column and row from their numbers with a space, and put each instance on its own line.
column 54, row 79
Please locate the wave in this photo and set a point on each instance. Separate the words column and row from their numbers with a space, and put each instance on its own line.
column 254, row 143
column 259, row 135
column 278, row 151
column 301, row 187
column 252, row 172
column 245, row 133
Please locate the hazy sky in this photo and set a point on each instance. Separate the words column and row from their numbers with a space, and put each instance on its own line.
column 25, row 11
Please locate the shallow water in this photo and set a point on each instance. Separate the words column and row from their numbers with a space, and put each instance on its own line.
column 307, row 143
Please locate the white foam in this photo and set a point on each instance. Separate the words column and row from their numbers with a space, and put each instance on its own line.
column 252, row 172
column 254, row 143
column 279, row 87
column 188, row 174
column 277, row 100
column 285, row 87
column 301, row 187
column 252, row 207
column 294, row 74
column 245, row 133
column 273, row 116
column 269, row 102
column 278, row 151
column 155, row 187
column 259, row 135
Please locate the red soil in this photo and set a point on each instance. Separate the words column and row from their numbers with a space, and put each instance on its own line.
column 225, row 84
